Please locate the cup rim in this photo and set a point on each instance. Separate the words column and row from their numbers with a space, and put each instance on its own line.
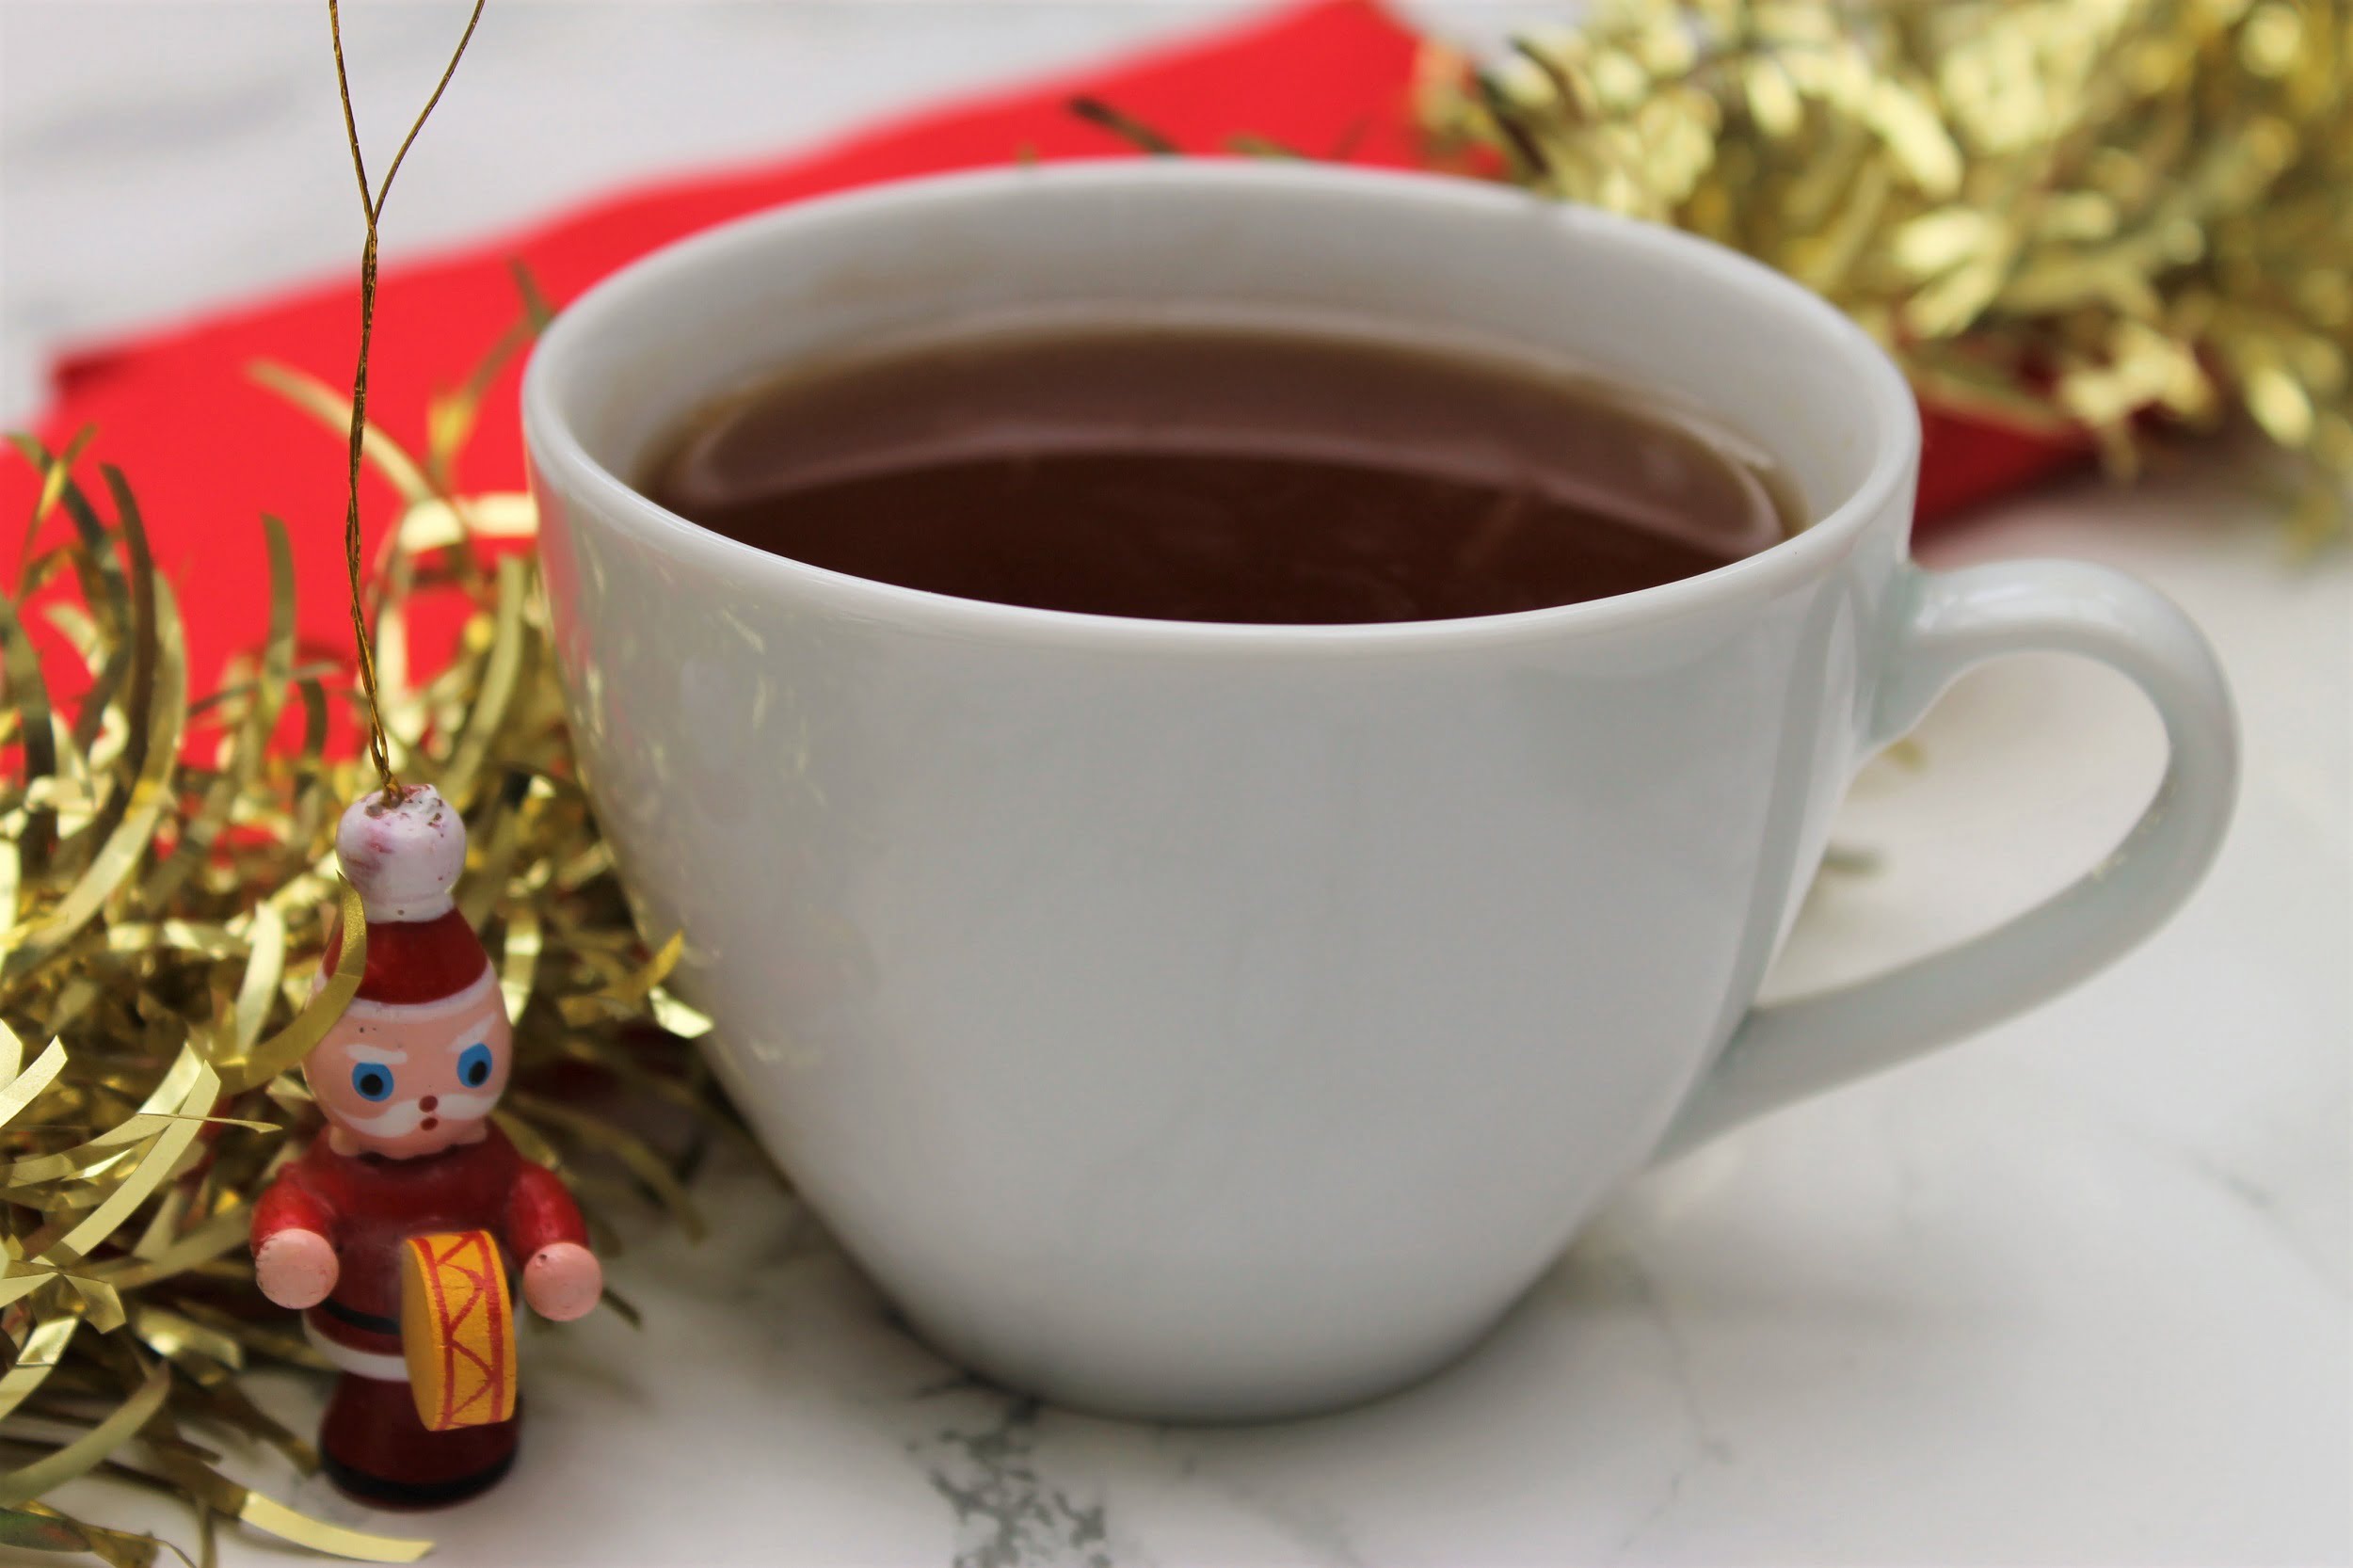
column 552, row 444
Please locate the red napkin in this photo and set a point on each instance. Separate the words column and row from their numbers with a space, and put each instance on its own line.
column 208, row 451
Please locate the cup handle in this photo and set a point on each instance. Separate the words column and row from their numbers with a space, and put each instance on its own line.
column 1944, row 623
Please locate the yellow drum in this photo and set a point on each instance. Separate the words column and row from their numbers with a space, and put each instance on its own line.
column 458, row 1330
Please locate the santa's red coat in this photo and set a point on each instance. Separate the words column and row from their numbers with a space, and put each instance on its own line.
column 366, row 1205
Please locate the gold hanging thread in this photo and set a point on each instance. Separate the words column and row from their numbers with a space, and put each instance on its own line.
column 372, row 208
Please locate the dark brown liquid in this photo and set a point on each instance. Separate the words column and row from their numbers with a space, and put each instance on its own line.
column 1220, row 473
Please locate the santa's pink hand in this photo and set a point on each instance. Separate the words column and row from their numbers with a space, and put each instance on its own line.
column 563, row 1281
column 296, row 1268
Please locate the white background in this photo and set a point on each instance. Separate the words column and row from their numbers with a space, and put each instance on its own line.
column 2075, row 1293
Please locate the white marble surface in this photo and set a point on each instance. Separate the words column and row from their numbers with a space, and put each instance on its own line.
column 2077, row 1292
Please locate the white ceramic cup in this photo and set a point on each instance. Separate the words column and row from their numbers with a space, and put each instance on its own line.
column 1209, row 1021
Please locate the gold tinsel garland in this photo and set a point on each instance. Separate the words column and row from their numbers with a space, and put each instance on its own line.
column 2062, row 214
column 163, row 918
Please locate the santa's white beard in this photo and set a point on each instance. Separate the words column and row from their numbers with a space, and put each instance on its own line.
column 398, row 1121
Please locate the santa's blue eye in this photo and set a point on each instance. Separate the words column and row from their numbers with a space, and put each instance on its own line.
column 371, row 1081
column 473, row 1066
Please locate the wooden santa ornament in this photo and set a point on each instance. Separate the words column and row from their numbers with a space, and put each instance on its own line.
column 405, row 1232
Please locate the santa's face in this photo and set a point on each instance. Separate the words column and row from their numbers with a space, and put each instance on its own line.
column 416, row 1078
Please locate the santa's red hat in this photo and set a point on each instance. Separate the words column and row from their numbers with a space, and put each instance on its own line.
column 403, row 857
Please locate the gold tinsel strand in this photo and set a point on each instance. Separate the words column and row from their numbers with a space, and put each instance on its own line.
column 166, row 869
column 2062, row 214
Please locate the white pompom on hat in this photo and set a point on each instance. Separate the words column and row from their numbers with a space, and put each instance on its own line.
column 403, row 856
